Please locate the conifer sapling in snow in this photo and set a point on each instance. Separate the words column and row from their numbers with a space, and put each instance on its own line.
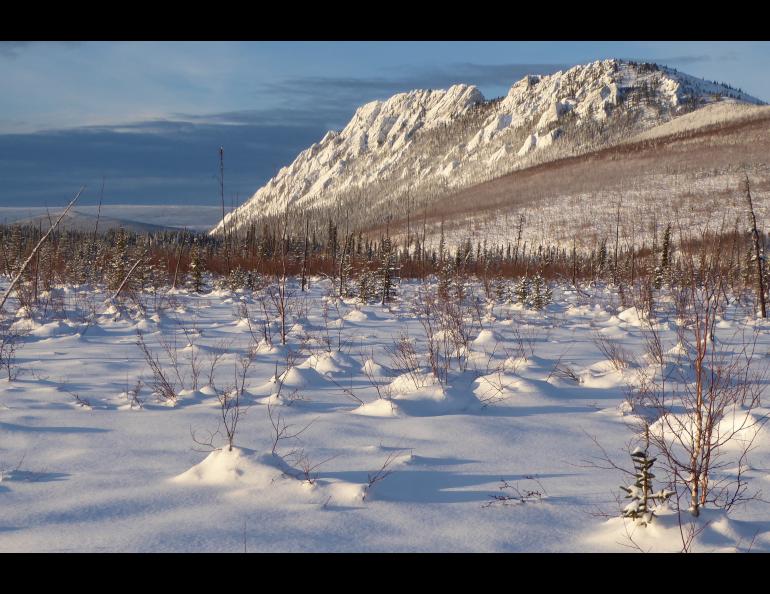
column 522, row 291
column 640, row 492
column 541, row 294
column 197, row 264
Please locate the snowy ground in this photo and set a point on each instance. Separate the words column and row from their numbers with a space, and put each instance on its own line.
column 103, row 475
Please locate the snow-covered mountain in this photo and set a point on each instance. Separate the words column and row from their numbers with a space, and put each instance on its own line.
column 425, row 145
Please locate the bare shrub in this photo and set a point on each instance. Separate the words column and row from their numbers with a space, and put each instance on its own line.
column 383, row 472
column 193, row 355
column 85, row 309
column 282, row 431
column 565, row 372
column 613, row 351
column 163, row 387
column 266, row 327
column 230, row 411
column 170, row 346
column 308, row 468
column 384, row 391
column 79, row 400
column 653, row 344
column 10, row 340
column 405, row 357
column 448, row 333
column 525, row 341
column 134, row 395
column 511, row 494
column 281, row 298
column 214, row 356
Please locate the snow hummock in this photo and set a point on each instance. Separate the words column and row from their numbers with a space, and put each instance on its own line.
column 228, row 467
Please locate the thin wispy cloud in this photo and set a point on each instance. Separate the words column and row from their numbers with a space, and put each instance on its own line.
column 690, row 59
column 12, row 49
column 327, row 88
column 146, row 162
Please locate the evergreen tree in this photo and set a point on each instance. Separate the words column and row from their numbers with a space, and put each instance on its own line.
column 367, row 285
column 197, row 266
column 119, row 264
column 441, row 246
column 523, row 291
column 237, row 279
column 386, row 270
column 602, row 257
column 446, row 274
column 662, row 270
column 346, row 270
column 541, row 292
column 501, row 289
column 46, row 266
column 640, row 492
column 16, row 249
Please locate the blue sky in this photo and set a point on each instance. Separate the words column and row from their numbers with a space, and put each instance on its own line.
column 149, row 117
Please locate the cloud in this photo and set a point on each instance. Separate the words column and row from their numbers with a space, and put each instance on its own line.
column 156, row 162
column 333, row 89
column 690, row 59
column 14, row 49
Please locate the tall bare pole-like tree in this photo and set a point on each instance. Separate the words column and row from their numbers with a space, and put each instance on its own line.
column 305, row 254
column 759, row 255
column 29, row 259
column 222, row 197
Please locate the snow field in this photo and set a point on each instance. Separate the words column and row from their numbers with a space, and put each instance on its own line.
column 386, row 459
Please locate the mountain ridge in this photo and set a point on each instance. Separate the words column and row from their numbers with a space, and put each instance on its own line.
column 429, row 143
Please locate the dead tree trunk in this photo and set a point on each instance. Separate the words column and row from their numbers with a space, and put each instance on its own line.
column 128, row 276
column 18, row 276
column 178, row 258
column 758, row 252
column 304, row 255
column 222, row 197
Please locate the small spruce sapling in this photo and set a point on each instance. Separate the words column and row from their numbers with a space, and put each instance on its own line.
column 541, row 293
column 523, row 291
column 640, row 492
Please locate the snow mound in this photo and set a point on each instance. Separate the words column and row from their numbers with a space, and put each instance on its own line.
column 374, row 369
column 356, row 316
column 344, row 493
column 378, row 408
column 714, row 531
column 487, row 340
column 410, row 383
column 631, row 317
column 678, row 350
column 329, row 362
column 55, row 328
column 231, row 467
column 494, row 387
column 300, row 377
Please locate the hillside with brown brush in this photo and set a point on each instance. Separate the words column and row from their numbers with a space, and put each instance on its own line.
column 692, row 176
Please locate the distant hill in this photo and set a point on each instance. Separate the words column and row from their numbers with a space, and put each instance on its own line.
column 78, row 221
column 128, row 216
